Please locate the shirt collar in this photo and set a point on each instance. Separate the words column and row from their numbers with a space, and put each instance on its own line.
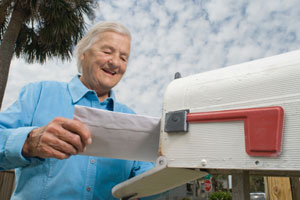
column 78, row 90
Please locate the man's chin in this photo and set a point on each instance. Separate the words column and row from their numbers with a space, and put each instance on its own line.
column 107, row 86
column 109, row 83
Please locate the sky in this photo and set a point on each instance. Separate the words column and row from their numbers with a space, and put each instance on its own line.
column 186, row 36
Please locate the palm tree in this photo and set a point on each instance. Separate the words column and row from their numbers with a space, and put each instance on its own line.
column 40, row 29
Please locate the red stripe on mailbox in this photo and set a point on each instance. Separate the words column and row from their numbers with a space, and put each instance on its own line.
column 262, row 127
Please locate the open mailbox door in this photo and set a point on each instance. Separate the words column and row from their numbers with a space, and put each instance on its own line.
column 242, row 117
column 157, row 180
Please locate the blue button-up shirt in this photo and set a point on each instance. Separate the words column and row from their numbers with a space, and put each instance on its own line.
column 78, row 177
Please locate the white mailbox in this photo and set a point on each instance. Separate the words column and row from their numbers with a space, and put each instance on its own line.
column 242, row 117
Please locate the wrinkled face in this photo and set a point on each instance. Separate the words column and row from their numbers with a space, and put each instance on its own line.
column 104, row 64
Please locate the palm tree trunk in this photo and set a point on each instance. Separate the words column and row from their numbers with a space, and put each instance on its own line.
column 7, row 47
column 6, row 53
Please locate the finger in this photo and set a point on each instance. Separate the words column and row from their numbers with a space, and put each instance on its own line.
column 55, row 128
column 43, row 150
column 79, row 128
column 71, row 138
column 64, row 147
column 49, row 152
column 59, row 145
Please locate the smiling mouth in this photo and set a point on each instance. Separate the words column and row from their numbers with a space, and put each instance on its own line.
column 109, row 72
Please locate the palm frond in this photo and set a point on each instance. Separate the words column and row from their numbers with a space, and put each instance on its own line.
column 58, row 26
column 5, row 10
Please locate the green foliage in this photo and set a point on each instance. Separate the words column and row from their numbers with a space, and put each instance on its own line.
column 50, row 29
column 4, row 11
column 220, row 196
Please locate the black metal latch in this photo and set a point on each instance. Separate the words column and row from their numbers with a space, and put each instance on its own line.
column 175, row 121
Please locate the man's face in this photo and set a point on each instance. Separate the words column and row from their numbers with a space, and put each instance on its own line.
column 104, row 64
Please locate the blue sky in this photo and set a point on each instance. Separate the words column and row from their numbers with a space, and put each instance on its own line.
column 177, row 35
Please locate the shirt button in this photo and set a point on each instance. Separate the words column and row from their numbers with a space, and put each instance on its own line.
column 92, row 161
column 88, row 189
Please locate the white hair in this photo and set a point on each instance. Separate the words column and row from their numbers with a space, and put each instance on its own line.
column 93, row 35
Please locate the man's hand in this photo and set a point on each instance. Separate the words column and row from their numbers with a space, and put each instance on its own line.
column 59, row 139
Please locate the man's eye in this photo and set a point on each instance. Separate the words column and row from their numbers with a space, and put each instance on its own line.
column 124, row 59
column 106, row 51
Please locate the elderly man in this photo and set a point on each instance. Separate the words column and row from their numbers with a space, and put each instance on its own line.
column 40, row 140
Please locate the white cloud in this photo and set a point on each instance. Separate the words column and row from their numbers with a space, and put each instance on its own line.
column 218, row 10
column 186, row 36
column 22, row 73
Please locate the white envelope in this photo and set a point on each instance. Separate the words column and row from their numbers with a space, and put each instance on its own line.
column 120, row 135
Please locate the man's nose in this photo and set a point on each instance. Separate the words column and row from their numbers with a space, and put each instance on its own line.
column 115, row 61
